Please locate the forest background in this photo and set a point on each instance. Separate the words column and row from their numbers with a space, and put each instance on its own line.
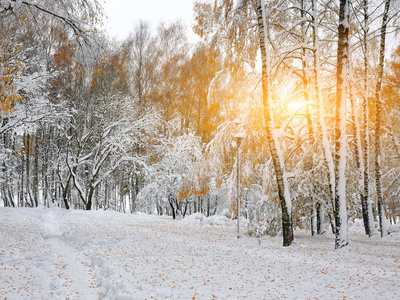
column 148, row 123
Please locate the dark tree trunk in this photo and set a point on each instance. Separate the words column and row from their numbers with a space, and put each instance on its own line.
column 121, row 194
column 365, row 199
column 21, row 186
column 89, row 198
column 364, row 207
column 186, row 206
column 65, row 192
column 378, row 115
column 134, row 192
column 319, row 225
column 90, row 194
column 36, row 172
column 332, row 224
column 170, row 200
column 106, row 198
column 312, row 220
column 287, row 226
column 341, row 238
column 28, row 169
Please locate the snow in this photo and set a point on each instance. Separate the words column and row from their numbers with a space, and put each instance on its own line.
column 324, row 133
column 215, row 220
column 57, row 254
column 240, row 135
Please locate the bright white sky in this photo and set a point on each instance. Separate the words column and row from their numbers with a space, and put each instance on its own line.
column 123, row 15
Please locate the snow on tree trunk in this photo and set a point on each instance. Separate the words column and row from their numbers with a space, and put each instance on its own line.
column 341, row 234
column 378, row 112
column 273, row 142
column 359, row 161
column 320, row 220
column 366, row 199
column 320, row 103
column 314, row 221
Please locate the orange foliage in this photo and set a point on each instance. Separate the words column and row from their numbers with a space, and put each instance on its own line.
column 63, row 58
column 11, row 66
column 188, row 188
column 218, row 182
column 184, row 192
column 113, row 68
column 29, row 143
column 99, row 72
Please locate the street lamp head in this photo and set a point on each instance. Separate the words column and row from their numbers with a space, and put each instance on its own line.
column 239, row 137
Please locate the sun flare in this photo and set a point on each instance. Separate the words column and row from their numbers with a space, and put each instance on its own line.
column 294, row 106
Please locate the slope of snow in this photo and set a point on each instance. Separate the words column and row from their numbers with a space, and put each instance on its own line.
column 55, row 254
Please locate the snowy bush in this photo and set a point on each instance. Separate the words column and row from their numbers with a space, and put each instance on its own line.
column 264, row 226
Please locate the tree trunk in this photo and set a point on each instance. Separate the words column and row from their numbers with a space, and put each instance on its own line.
column 45, row 184
column 133, row 193
column 106, row 196
column 321, row 112
column 186, row 206
column 65, row 192
column 332, row 224
column 89, row 198
column 312, row 220
column 171, row 203
column 28, row 170
column 318, row 209
column 378, row 112
column 96, row 197
column 359, row 163
column 273, row 142
column 36, row 171
column 21, row 187
column 366, row 199
column 341, row 236
column 121, row 194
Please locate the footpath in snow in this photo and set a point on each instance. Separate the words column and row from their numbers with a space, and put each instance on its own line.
column 56, row 254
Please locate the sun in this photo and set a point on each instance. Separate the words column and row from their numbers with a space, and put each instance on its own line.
column 294, row 106
column 288, row 97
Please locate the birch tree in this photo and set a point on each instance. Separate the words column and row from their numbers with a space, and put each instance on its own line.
column 341, row 234
column 378, row 115
column 366, row 199
column 273, row 142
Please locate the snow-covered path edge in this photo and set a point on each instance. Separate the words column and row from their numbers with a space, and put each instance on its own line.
column 71, row 264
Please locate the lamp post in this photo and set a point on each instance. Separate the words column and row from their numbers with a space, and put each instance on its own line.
column 246, row 205
column 239, row 137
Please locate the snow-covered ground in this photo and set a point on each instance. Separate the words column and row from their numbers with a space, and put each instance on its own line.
column 56, row 254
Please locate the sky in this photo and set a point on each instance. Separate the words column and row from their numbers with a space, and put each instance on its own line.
column 123, row 15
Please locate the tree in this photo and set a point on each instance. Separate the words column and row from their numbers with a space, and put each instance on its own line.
column 171, row 165
column 273, row 142
column 378, row 113
column 172, row 48
column 341, row 238
column 79, row 15
column 144, row 61
column 366, row 199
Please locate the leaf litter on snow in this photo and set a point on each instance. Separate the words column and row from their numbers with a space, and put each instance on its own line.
column 53, row 254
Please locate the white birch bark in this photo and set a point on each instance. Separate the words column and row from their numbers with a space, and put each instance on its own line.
column 273, row 141
column 341, row 234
